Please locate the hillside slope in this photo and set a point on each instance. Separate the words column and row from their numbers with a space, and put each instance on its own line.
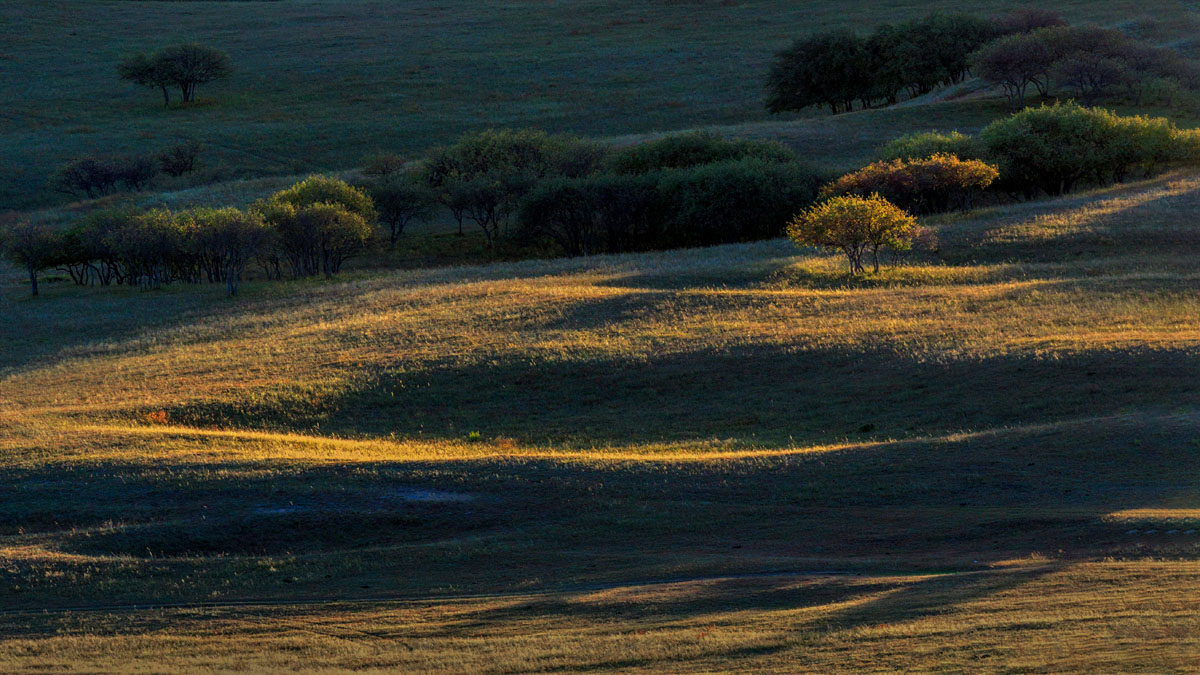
column 703, row 459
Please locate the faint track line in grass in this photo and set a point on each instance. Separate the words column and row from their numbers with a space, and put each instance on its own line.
column 513, row 595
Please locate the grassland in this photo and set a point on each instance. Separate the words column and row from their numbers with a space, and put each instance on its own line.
column 723, row 458
column 322, row 83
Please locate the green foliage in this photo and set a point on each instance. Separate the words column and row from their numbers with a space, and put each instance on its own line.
column 326, row 190
column 484, row 175
column 722, row 202
column 821, row 69
column 400, row 198
column 838, row 68
column 31, row 247
column 607, row 213
column 855, row 226
column 932, row 185
column 319, row 224
column 1055, row 148
column 740, row 200
column 184, row 66
column 681, row 151
column 929, row 143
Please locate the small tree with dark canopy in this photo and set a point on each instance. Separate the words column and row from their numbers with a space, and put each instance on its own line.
column 1014, row 62
column 31, row 247
column 146, row 70
column 190, row 65
column 184, row 66
column 821, row 69
column 180, row 159
column 400, row 198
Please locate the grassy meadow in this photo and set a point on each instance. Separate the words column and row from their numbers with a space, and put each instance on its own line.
column 319, row 84
column 735, row 458
column 699, row 460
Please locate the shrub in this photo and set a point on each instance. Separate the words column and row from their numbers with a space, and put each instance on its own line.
column 31, row 247
column 681, row 151
column 1026, row 20
column 180, row 159
column 732, row 201
column 399, row 199
column 1055, row 148
column 315, row 237
column 932, row 185
column 930, row 143
column 484, row 175
column 383, row 164
column 90, row 176
column 325, row 190
column 1014, row 62
column 595, row 214
column 855, row 226
column 225, row 240
column 821, row 69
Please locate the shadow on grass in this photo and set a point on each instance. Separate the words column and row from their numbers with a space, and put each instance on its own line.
column 759, row 395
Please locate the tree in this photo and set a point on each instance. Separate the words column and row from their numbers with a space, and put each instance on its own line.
column 189, row 65
column 821, row 69
column 483, row 176
column 231, row 239
column 92, row 176
column 855, row 226
column 32, row 247
column 1026, row 20
column 928, row 185
column 400, row 198
column 682, row 151
column 326, row 190
column 1014, row 62
column 320, row 223
column 180, row 159
column 929, row 143
column 146, row 70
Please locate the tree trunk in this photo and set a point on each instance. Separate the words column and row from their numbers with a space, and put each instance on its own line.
column 166, row 96
column 33, row 281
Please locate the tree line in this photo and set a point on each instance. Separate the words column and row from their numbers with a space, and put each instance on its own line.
column 1032, row 47
column 311, row 228
column 575, row 197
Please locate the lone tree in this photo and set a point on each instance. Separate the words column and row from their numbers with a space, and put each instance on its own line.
column 1015, row 62
column 32, row 247
column 147, row 71
column 855, row 226
column 183, row 66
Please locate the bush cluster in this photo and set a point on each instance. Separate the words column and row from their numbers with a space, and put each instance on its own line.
column 839, row 68
column 97, row 176
column 1055, row 149
column 934, row 184
column 533, row 188
column 1088, row 61
column 708, row 204
column 312, row 228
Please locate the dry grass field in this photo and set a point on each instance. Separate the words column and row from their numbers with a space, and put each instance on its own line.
column 715, row 459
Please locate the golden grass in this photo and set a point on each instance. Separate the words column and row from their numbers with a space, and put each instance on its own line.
column 991, row 444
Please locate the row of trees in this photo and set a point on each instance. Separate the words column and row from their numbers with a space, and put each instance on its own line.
column 534, row 188
column 181, row 67
column 839, row 68
column 1090, row 62
column 100, row 175
column 309, row 229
